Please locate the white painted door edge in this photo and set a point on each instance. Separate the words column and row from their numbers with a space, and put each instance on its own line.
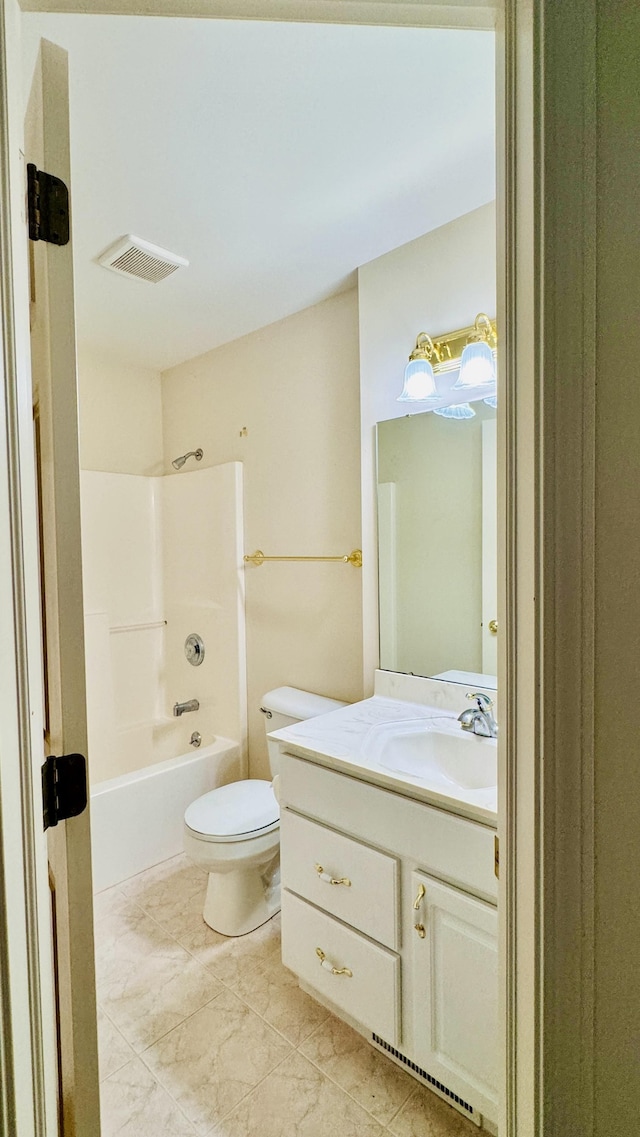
column 29, row 1062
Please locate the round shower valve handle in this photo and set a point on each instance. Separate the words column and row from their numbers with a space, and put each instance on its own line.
column 194, row 649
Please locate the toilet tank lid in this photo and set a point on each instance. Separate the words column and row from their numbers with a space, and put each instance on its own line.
column 298, row 704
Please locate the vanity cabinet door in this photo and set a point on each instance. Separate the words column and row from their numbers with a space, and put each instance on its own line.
column 454, row 991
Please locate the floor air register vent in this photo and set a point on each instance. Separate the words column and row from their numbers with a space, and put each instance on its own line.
column 433, row 1083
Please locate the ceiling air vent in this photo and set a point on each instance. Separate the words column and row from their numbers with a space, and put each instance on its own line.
column 131, row 256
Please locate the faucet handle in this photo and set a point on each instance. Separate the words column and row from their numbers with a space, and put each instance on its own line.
column 466, row 719
column 483, row 701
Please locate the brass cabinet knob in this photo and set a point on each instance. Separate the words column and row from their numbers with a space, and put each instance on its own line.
column 421, row 930
column 493, row 627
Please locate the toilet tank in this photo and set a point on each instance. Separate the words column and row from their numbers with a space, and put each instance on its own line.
column 285, row 706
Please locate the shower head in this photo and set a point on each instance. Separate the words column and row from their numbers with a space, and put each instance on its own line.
column 178, row 463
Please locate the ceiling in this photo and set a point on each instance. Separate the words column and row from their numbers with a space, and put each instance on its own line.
column 276, row 157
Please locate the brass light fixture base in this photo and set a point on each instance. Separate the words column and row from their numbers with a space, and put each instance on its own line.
column 444, row 351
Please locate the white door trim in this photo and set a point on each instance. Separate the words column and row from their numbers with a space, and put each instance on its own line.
column 53, row 356
column 401, row 13
column 567, row 379
column 25, row 955
column 547, row 441
column 549, row 491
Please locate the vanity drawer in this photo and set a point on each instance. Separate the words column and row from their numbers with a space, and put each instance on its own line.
column 312, row 856
column 313, row 944
column 455, row 849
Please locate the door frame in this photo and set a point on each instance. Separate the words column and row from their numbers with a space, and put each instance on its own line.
column 27, row 998
column 547, row 215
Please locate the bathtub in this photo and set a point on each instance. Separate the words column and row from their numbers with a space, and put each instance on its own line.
column 136, row 819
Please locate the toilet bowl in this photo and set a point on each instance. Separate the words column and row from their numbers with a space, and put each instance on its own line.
column 233, row 832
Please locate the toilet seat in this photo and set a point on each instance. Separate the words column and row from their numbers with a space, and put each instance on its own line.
column 237, row 812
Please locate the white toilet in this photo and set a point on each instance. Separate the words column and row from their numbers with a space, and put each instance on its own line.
column 234, row 832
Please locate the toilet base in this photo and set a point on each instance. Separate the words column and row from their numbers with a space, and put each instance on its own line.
column 240, row 901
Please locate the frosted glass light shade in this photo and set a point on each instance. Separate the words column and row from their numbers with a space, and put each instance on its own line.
column 419, row 382
column 477, row 366
column 492, row 401
column 458, row 410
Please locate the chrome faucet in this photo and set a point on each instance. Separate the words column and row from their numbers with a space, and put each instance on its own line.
column 479, row 719
column 182, row 708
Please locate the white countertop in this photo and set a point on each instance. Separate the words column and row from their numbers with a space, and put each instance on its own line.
column 338, row 740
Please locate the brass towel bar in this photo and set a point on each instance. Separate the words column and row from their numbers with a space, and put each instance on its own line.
column 354, row 558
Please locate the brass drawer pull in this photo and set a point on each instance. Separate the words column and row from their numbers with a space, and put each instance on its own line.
column 324, row 962
column 332, row 879
column 417, row 904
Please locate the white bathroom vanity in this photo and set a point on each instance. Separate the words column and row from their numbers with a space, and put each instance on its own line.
column 389, row 887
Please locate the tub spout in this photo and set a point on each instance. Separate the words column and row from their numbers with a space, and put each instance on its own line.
column 183, row 708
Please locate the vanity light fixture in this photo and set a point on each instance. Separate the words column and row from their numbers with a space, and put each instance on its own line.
column 469, row 351
column 419, row 380
column 492, row 401
column 477, row 364
column 456, row 410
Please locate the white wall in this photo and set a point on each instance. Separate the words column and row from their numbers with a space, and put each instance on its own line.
column 120, row 416
column 284, row 402
column 435, row 284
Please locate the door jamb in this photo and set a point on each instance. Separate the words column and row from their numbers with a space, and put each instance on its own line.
column 543, row 441
column 25, row 959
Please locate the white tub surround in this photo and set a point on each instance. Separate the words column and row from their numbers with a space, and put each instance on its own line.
column 137, row 819
column 203, row 581
column 343, row 740
column 162, row 558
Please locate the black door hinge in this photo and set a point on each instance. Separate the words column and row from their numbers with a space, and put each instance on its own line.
column 64, row 788
column 47, row 207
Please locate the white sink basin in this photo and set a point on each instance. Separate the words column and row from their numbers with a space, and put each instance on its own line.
column 437, row 751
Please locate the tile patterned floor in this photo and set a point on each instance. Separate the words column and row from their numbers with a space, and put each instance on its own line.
column 204, row 1035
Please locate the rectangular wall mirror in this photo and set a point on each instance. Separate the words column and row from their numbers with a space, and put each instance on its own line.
column 437, row 546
